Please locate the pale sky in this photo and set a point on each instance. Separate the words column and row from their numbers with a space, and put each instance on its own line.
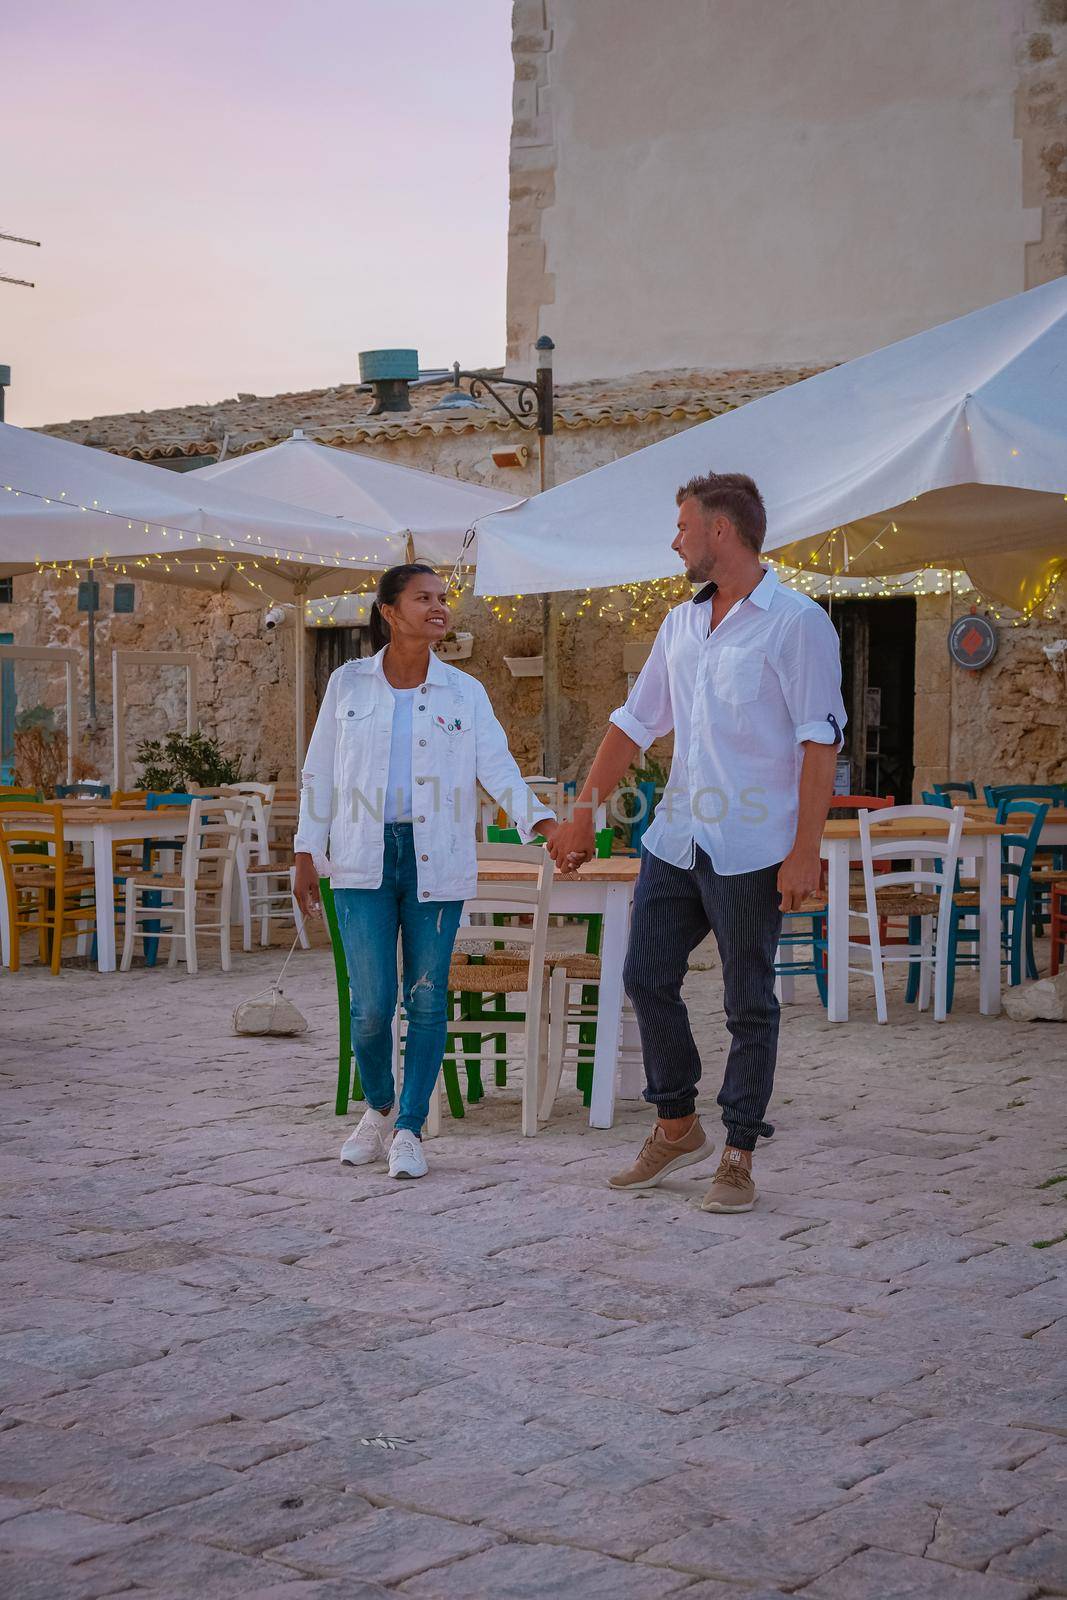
column 243, row 194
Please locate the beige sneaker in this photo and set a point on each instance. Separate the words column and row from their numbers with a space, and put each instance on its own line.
column 660, row 1156
column 732, row 1188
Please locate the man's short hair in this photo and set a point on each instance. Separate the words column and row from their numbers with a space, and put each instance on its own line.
column 736, row 496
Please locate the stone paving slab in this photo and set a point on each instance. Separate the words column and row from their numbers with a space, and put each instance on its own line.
column 229, row 1366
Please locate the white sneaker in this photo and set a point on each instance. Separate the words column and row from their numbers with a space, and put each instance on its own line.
column 370, row 1141
column 406, row 1159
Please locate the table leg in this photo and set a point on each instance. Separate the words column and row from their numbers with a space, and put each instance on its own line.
column 105, row 900
column 5, row 931
column 837, row 929
column 989, row 928
column 609, row 1007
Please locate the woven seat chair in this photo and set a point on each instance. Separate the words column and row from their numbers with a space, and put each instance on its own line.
column 44, row 892
column 208, row 863
column 486, row 978
column 922, row 890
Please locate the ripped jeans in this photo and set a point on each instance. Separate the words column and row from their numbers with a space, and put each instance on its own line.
column 370, row 920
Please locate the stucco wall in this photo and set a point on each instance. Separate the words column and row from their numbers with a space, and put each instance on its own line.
column 802, row 181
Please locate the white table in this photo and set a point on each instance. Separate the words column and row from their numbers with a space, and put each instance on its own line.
column 605, row 889
column 99, row 827
column 841, row 845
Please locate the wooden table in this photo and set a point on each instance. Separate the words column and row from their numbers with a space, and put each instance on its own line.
column 841, row 845
column 606, row 889
column 88, row 822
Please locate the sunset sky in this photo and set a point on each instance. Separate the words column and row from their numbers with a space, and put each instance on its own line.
column 244, row 194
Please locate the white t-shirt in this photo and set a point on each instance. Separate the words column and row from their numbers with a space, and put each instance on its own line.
column 398, row 788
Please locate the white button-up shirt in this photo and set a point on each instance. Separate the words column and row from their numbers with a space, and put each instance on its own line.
column 743, row 699
column 456, row 744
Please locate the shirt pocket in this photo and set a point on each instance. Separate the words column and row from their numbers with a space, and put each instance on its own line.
column 738, row 674
column 353, row 711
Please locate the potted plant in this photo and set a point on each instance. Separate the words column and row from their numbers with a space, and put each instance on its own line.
column 183, row 761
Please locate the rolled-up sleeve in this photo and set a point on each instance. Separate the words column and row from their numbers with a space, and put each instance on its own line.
column 647, row 714
column 809, row 669
column 317, row 782
column 498, row 771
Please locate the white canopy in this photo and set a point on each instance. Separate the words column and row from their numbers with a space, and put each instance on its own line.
column 436, row 511
column 948, row 449
column 64, row 504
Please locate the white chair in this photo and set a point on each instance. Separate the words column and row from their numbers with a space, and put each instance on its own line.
column 265, row 887
column 208, row 864
column 923, row 889
column 523, row 974
column 569, row 1010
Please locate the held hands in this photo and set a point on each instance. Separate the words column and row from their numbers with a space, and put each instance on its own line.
column 306, row 885
column 798, row 876
column 570, row 843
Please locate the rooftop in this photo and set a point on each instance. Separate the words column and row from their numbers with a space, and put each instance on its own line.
column 340, row 416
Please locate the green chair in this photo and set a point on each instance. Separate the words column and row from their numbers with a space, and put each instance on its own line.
column 349, row 1084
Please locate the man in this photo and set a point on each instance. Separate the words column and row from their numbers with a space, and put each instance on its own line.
column 748, row 675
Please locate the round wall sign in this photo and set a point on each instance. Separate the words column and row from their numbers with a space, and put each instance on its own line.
column 972, row 642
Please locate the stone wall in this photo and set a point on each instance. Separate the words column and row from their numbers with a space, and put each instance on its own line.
column 1004, row 724
column 1041, row 126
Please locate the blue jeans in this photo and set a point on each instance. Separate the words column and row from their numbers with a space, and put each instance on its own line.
column 369, row 920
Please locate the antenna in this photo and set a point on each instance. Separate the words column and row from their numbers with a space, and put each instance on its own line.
column 14, row 238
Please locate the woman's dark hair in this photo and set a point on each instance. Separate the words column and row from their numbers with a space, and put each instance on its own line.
column 391, row 586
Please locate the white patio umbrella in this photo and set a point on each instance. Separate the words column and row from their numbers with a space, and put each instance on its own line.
column 434, row 510
column 65, row 506
column 948, row 449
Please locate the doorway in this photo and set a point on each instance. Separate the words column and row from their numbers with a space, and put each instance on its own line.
column 333, row 647
column 878, row 687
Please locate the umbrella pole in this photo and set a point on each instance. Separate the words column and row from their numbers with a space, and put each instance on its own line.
column 300, row 658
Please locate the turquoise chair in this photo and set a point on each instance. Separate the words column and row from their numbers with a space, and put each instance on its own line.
column 83, row 791
column 1053, row 794
column 966, row 790
column 640, row 825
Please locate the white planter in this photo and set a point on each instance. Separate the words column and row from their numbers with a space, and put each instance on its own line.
column 525, row 666
column 457, row 649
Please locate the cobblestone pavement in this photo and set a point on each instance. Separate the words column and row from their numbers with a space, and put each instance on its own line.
column 212, row 1332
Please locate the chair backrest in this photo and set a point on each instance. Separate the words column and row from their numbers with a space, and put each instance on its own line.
column 264, row 791
column 31, row 835
column 83, row 791
column 212, row 839
column 509, row 898
column 932, row 848
column 1055, row 794
column 130, row 799
column 936, row 798
column 255, row 828
column 861, row 802
column 966, row 789
column 8, row 793
column 1017, row 850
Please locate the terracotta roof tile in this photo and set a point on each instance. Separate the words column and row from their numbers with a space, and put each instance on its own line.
column 341, row 416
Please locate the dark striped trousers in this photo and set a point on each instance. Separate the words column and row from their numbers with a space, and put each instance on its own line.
column 674, row 909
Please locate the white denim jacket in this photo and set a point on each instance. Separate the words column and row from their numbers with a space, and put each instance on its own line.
column 456, row 744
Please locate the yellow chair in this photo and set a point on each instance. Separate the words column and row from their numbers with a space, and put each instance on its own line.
column 44, row 892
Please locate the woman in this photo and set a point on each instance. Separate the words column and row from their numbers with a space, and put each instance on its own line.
column 401, row 743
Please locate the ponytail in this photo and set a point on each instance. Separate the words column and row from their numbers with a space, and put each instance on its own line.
column 391, row 586
column 379, row 629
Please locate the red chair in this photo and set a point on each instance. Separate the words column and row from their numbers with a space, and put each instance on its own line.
column 1058, row 926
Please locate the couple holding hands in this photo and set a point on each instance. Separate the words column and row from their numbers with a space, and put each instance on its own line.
column 746, row 674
